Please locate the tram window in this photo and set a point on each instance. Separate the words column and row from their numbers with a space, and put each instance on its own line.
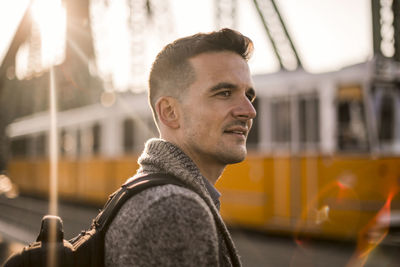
column 78, row 142
column 63, row 143
column 129, row 135
column 68, row 143
column 308, row 120
column 252, row 138
column 386, row 119
column 40, row 145
column 352, row 134
column 96, row 134
column 19, row 147
column 280, row 121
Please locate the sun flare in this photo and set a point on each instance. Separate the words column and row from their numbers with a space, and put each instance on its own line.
column 50, row 17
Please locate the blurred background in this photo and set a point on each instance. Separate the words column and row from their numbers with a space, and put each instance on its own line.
column 320, row 184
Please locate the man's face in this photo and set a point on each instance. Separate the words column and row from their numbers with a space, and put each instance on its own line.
column 217, row 109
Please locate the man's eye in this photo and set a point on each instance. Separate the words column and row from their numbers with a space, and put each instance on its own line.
column 224, row 93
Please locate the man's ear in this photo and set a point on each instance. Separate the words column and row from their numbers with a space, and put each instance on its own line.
column 167, row 111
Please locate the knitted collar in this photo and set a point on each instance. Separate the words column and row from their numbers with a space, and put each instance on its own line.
column 162, row 156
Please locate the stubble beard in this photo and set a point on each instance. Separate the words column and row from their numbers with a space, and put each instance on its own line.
column 231, row 155
column 221, row 153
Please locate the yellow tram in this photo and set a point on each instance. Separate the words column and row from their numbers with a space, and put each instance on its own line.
column 324, row 153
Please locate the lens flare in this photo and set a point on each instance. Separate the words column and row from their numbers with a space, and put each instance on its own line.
column 373, row 233
column 318, row 211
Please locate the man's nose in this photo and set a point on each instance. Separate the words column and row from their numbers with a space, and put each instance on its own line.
column 244, row 109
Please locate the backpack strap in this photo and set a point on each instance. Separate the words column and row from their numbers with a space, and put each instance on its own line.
column 129, row 189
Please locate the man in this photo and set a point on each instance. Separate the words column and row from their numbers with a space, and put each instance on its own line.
column 201, row 96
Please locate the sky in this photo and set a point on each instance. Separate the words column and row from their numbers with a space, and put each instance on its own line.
column 328, row 34
column 10, row 15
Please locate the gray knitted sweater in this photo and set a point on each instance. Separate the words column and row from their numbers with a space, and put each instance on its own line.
column 169, row 225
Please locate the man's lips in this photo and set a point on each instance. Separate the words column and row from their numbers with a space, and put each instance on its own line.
column 237, row 130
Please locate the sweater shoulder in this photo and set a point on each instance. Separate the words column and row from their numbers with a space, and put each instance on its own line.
column 172, row 199
column 158, row 195
column 169, row 222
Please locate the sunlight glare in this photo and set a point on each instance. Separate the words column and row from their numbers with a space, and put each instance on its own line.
column 112, row 43
column 50, row 17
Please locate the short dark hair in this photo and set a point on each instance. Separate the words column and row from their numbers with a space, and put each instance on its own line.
column 171, row 72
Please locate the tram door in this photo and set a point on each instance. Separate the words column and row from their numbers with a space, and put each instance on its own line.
column 386, row 101
column 351, row 131
column 295, row 138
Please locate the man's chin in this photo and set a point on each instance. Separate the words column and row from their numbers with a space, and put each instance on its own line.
column 234, row 156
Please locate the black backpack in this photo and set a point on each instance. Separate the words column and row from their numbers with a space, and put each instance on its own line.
column 86, row 249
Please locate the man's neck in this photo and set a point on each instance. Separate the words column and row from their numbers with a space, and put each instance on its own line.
column 209, row 167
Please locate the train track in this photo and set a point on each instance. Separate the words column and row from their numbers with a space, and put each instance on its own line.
column 20, row 218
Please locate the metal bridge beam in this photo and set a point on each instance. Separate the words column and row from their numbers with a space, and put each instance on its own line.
column 396, row 27
column 276, row 30
column 386, row 28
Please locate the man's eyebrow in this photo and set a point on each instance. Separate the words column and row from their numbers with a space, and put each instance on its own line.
column 222, row 85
